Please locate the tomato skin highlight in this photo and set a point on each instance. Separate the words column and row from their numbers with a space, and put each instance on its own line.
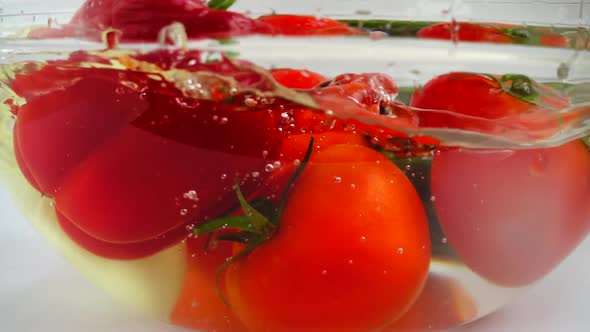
column 512, row 216
column 297, row 78
column 335, row 262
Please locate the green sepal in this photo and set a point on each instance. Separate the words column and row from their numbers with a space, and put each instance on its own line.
column 260, row 223
column 521, row 87
column 220, row 4
column 233, row 222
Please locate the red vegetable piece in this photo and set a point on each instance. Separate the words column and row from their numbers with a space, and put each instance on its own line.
column 302, row 25
column 297, row 78
column 117, row 250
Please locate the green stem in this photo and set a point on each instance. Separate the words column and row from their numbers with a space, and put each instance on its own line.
column 220, row 4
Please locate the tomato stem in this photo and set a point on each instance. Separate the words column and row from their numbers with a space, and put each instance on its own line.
column 220, row 4
column 254, row 227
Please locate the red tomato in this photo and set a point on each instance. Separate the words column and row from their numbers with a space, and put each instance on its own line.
column 297, row 78
column 122, row 153
column 512, row 215
column 302, row 25
column 120, row 250
column 465, row 32
column 199, row 306
column 485, row 97
column 351, row 253
column 493, row 33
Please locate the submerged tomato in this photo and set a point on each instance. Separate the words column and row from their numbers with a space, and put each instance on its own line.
column 351, row 253
column 490, row 104
column 303, row 25
column 198, row 305
column 494, row 33
column 511, row 215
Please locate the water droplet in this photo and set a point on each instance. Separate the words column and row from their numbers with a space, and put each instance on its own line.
column 255, row 174
column 296, row 162
column 324, row 272
column 120, row 90
column 400, row 251
column 539, row 164
column 408, row 167
column 223, row 176
column 191, row 195
column 223, row 120
column 264, row 153
column 350, row 262
column 277, row 164
column 194, row 304
column 337, row 179
column 353, row 186
column 444, row 240
column 183, row 212
column 250, row 102
column 363, row 238
column 143, row 96
column 269, row 168
column 173, row 35
column 433, row 198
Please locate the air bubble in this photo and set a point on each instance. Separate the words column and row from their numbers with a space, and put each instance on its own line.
column 444, row 240
column 183, row 212
column 400, row 251
column 337, row 179
column 264, row 153
column 352, row 186
column 363, row 238
column 269, row 168
column 324, row 272
column 223, row 120
column 255, row 174
column 433, row 198
column 277, row 164
column 296, row 162
column 191, row 195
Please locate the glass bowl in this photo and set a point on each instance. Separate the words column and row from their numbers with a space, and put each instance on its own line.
column 290, row 166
